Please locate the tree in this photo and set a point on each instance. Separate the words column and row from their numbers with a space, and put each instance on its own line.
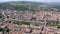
column 5, row 30
column 33, row 18
column 58, row 26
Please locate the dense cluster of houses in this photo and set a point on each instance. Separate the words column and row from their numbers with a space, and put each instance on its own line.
column 41, row 15
column 30, row 29
column 27, row 29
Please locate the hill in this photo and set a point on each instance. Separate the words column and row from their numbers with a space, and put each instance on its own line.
column 28, row 6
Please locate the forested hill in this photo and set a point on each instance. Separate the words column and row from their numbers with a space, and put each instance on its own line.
column 54, row 4
column 27, row 6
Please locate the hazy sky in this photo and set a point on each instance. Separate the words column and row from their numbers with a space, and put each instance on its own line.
column 33, row 0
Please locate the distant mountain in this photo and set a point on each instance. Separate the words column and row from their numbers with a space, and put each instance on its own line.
column 0, row 2
column 54, row 4
column 29, row 6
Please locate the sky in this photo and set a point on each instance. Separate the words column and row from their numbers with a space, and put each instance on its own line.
column 32, row 0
